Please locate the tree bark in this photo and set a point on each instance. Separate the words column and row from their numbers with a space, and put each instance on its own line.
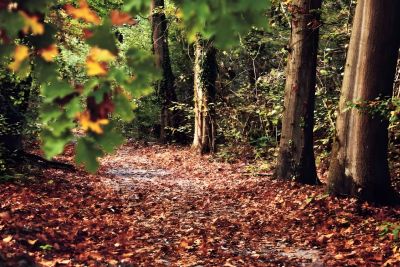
column 296, row 154
column 359, row 164
column 205, row 75
column 165, row 88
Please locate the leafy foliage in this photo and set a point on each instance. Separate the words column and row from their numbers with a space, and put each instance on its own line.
column 37, row 34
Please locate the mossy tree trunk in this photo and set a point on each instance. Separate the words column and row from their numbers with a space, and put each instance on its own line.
column 205, row 75
column 165, row 88
column 296, row 154
column 359, row 164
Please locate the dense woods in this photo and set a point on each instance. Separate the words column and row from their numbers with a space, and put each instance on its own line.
column 201, row 103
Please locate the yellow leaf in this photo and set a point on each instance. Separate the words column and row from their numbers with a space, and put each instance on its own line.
column 7, row 239
column 49, row 53
column 83, row 12
column 32, row 24
column 95, row 68
column 88, row 124
column 21, row 52
column 99, row 54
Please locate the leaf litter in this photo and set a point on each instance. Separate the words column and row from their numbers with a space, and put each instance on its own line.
column 164, row 206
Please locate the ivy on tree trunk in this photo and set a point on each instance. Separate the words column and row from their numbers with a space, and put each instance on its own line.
column 205, row 75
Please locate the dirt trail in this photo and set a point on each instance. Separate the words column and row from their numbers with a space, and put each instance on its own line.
column 164, row 206
column 196, row 196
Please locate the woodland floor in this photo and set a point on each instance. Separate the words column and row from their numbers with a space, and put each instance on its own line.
column 163, row 206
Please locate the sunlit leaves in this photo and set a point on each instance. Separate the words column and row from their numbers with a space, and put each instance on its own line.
column 223, row 21
column 96, row 62
column 107, row 87
column 101, row 55
column 95, row 68
column 21, row 53
column 83, row 12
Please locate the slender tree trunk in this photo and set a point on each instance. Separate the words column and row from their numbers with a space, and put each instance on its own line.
column 296, row 154
column 166, row 86
column 359, row 164
column 205, row 75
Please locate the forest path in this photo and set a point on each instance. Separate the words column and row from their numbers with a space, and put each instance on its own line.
column 165, row 206
column 202, row 212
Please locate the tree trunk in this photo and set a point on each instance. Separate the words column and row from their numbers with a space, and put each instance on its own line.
column 296, row 154
column 205, row 75
column 12, row 119
column 359, row 164
column 166, row 86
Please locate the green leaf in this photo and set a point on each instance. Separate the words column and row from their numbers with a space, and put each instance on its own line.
column 73, row 108
column 87, row 153
column 61, row 125
column 11, row 22
column 37, row 5
column 103, row 38
column 110, row 139
column 137, row 6
column 54, row 145
column 45, row 71
column 56, row 89
column 50, row 112
column 99, row 93
column 43, row 40
column 123, row 107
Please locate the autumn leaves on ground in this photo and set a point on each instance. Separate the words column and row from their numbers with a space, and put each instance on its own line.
column 163, row 206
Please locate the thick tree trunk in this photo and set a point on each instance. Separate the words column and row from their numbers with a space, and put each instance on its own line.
column 359, row 164
column 296, row 154
column 12, row 113
column 205, row 75
column 166, row 86
column 12, row 120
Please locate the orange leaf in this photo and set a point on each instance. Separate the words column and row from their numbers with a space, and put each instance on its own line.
column 20, row 54
column 32, row 24
column 49, row 53
column 83, row 12
column 120, row 18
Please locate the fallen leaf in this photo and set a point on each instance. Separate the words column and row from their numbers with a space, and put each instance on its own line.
column 7, row 239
